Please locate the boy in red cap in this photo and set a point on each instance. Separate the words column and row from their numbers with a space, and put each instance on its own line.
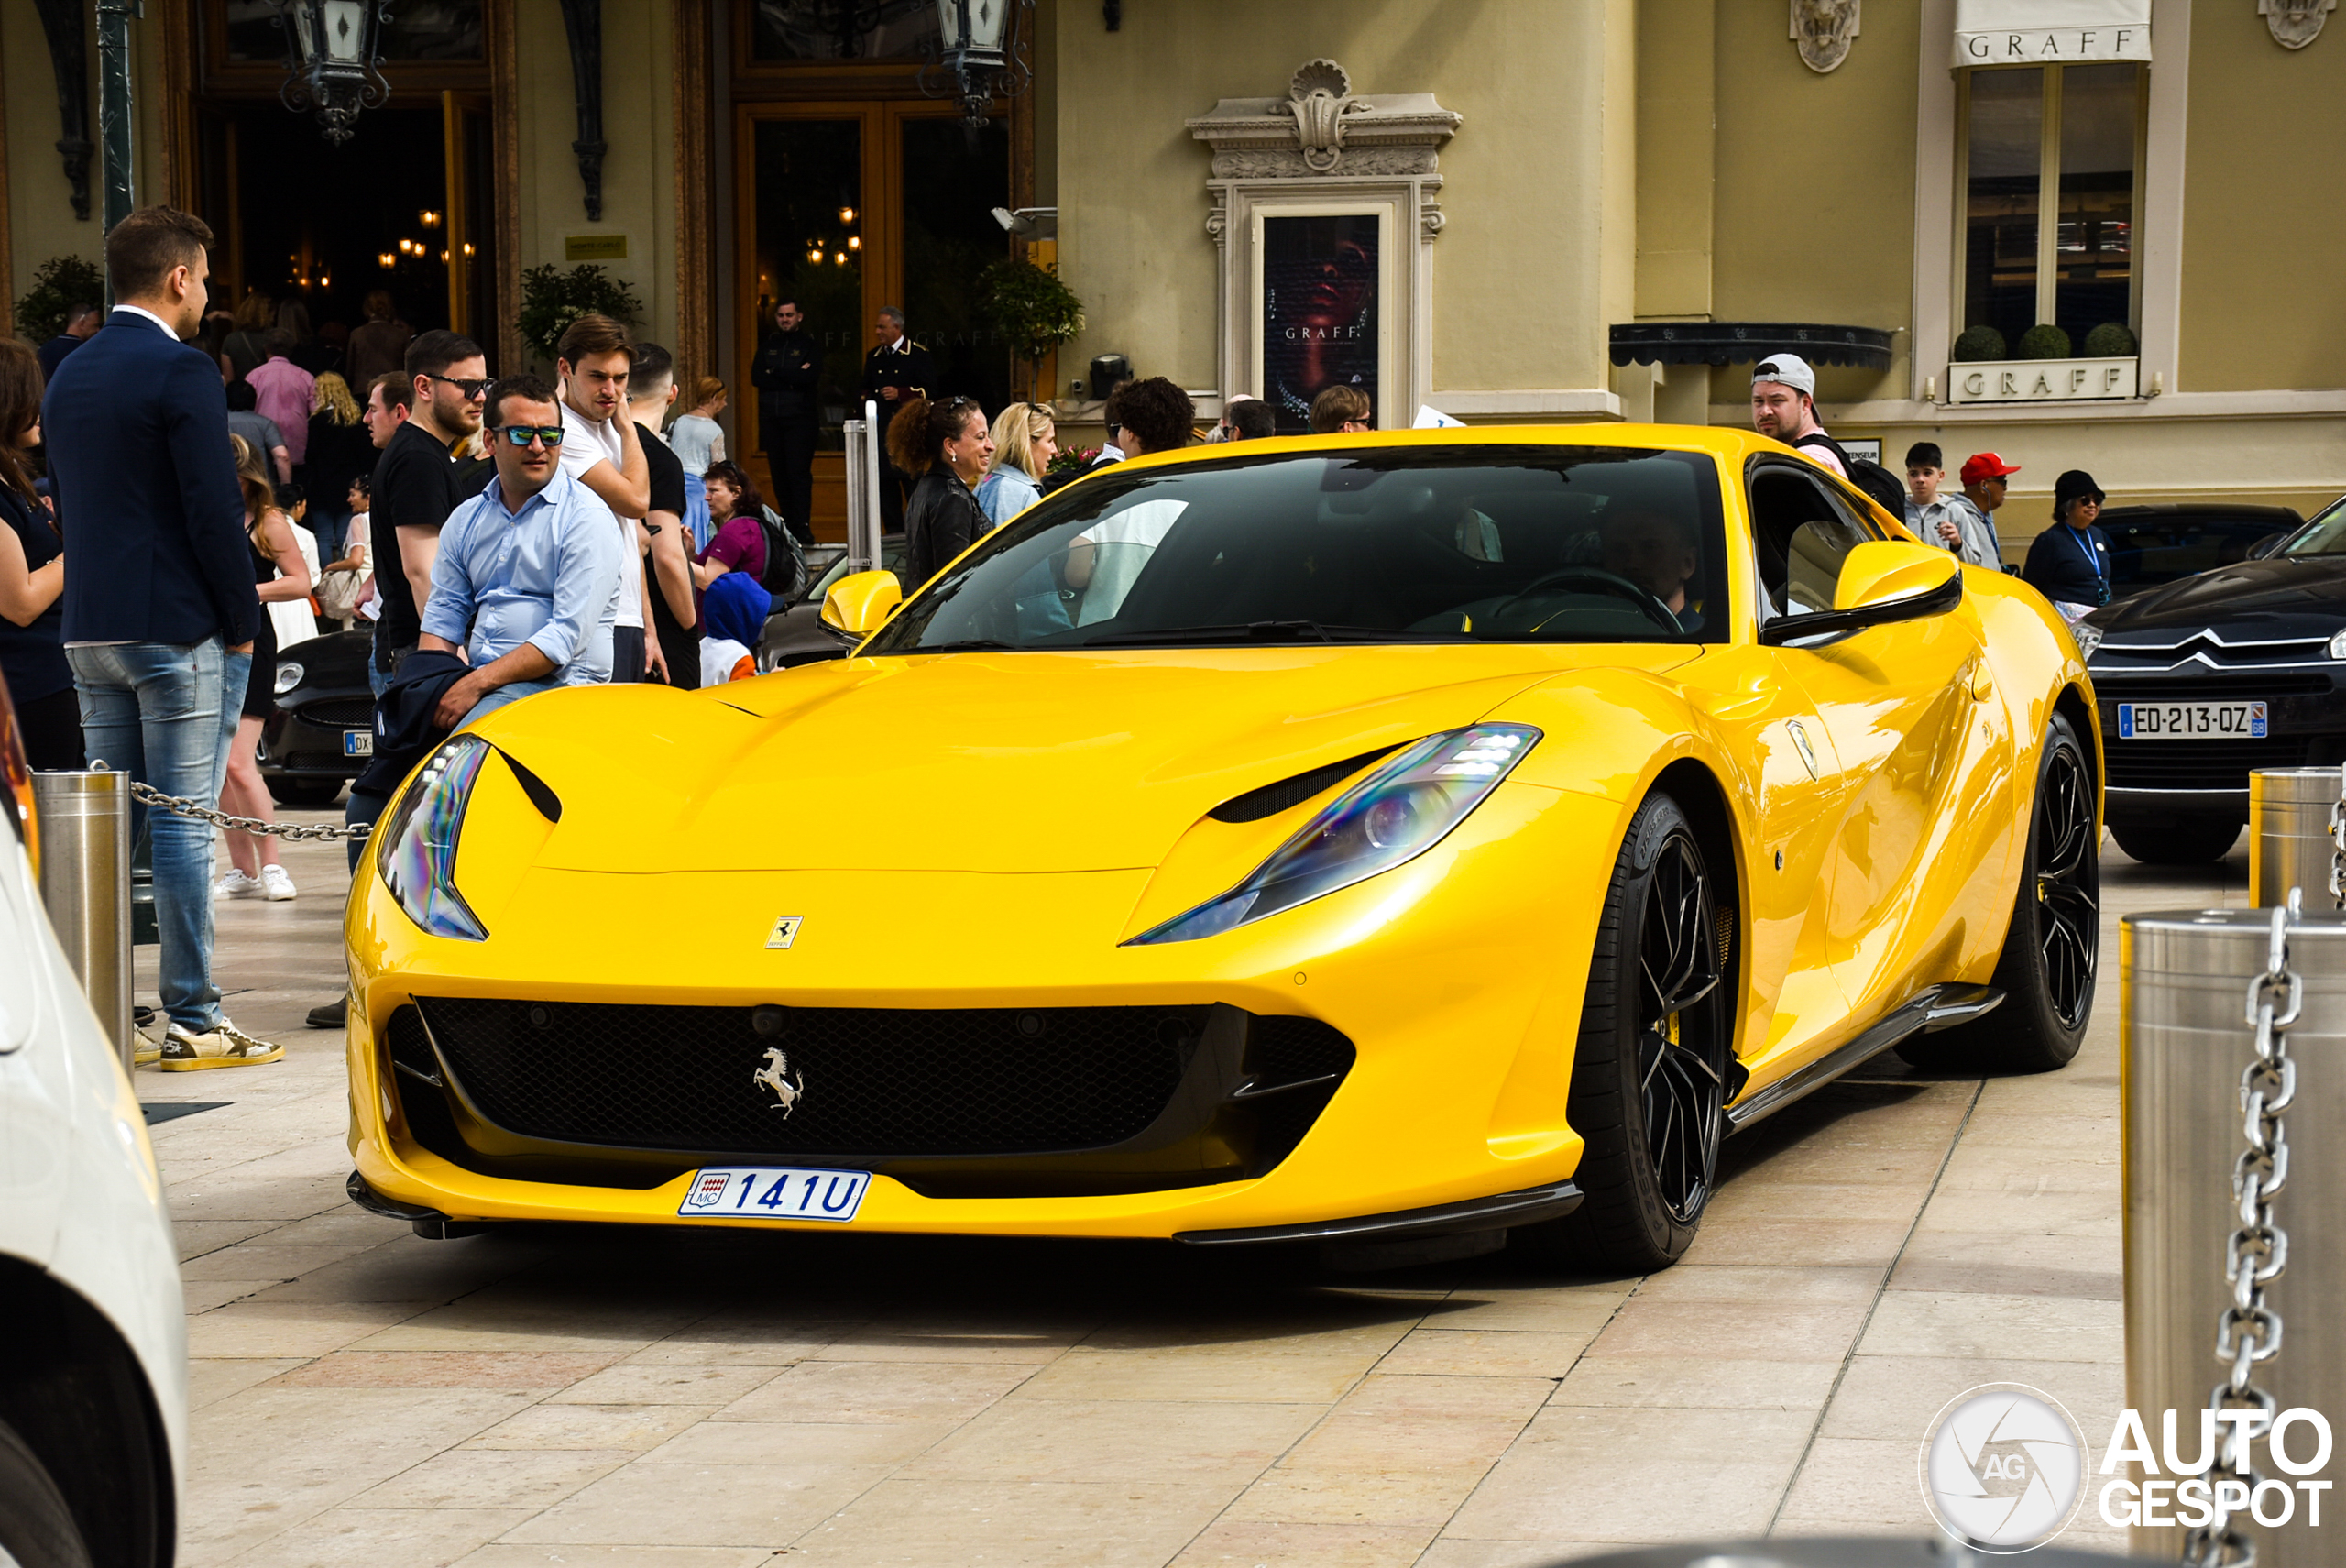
column 1984, row 474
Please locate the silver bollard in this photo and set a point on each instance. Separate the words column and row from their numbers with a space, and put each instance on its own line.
column 2288, row 836
column 85, row 882
column 2183, row 987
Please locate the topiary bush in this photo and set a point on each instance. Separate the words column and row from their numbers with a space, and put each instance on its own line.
column 553, row 299
column 58, row 284
column 2111, row 340
column 1031, row 307
column 2043, row 341
column 1979, row 343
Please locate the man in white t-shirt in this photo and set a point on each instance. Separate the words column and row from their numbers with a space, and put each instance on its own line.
column 1783, row 404
column 603, row 452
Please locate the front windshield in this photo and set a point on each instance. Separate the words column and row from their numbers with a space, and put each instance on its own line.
column 2325, row 535
column 1497, row 543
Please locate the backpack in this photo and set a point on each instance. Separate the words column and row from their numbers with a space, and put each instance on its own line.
column 786, row 573
column 1873, row 481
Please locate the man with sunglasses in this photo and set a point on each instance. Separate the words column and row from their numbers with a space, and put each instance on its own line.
column 526, row 582
column 415, row 487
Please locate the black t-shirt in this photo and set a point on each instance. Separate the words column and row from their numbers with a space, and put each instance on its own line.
column 415, row 487
column 667, row 472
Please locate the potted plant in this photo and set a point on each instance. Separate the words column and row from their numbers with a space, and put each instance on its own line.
column 58, row 284
column 551, row 299
column 1033, row 308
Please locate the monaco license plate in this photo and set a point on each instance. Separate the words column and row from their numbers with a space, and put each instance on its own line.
column 775, row 1192
column 358, row 743
column 2191, row 721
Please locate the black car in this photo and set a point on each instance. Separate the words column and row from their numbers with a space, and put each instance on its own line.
column 2157, row 544
column 794, row 633
column 2203, row 681
column 322, row 730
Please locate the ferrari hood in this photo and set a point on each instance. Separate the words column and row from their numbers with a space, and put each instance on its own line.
column 1001, row 762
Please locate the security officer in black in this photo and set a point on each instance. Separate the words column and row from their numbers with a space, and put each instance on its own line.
column 784, row 373
column 894, row 369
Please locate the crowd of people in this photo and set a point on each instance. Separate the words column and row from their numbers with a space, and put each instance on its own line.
column 222, row 485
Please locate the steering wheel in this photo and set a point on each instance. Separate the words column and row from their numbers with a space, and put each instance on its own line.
column 1612, row 582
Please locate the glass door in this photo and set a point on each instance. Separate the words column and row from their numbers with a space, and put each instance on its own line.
column 846, row 207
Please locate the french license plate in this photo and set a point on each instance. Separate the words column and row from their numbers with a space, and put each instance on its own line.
column 2191, row 721
column 775, row 1192
column 358, row 743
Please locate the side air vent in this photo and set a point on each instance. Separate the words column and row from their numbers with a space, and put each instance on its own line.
column 1274, row 798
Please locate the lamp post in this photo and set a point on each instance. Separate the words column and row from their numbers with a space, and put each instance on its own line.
column 976, row 49
column 330, row 61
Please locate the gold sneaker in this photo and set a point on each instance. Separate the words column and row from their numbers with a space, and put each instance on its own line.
column 225, row 1045
column 146, row 1050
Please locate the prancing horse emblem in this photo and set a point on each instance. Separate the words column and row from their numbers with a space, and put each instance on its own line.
column 770, row 1077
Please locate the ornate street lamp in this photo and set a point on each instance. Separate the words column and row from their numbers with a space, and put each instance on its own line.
column 330, row 61
column 980, row 48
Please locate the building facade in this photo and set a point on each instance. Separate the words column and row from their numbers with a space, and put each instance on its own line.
column 1538, row 210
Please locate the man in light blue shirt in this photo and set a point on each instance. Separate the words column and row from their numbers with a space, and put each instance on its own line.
column 526, row 583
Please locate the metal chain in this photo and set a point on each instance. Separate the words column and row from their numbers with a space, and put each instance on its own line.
column 2338, row 845
column 2250, row 1332
column 294, row 832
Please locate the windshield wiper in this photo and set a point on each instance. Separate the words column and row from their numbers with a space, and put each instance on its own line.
column 1260, row 631
column 965, row 645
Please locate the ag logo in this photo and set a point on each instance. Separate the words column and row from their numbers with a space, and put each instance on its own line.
column 2003, row 1467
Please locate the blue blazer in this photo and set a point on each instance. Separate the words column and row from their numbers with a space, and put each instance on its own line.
column 137, row 426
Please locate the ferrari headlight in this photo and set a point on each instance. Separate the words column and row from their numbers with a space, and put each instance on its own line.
column 2089, row 638
column 417, row 856
column 1394, row 815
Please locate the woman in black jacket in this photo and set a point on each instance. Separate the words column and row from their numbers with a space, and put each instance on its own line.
column 948, row 446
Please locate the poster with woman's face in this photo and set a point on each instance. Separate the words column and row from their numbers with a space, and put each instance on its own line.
column 1319, row 311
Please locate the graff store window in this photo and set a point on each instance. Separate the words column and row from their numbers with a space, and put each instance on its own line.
column 2052, row 158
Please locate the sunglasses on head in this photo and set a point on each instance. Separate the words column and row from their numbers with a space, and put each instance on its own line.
column 471, row 387
column 520, row 434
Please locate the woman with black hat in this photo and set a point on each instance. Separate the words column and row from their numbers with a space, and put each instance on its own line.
column 2069, row 563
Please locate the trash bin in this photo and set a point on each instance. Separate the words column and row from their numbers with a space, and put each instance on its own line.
column 2288, row 836
column 2185, row 1042
column 85, row 885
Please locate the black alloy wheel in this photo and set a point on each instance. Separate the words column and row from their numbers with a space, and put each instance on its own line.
column 1648, row 1090
column 2051, row 956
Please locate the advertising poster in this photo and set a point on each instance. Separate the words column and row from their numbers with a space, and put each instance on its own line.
column 1320, row 311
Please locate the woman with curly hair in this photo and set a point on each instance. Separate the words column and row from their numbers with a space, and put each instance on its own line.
column 948, row 446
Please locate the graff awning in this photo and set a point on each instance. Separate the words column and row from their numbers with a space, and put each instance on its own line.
column 2050, row 32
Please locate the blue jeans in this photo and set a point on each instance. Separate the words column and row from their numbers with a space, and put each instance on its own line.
column 503, row 696
column 166, row 712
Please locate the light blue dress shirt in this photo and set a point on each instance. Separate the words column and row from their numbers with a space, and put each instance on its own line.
column 1006, row 492
column 549, row 575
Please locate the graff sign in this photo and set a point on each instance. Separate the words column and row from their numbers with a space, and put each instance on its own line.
column 2041, row 381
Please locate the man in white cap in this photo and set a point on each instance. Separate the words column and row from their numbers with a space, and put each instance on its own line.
column 1783, row 404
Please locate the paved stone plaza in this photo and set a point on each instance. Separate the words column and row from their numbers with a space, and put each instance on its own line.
column 714, row 1399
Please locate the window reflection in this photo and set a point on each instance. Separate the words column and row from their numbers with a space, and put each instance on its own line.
column 2001, row 216
column 842, row 29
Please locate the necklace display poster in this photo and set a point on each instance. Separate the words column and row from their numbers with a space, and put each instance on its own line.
column 1321, row 278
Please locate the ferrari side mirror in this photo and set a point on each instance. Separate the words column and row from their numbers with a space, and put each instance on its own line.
column 861, row 604
column 1880, row 583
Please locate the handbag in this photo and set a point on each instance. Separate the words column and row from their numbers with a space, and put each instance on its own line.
column 338, row 592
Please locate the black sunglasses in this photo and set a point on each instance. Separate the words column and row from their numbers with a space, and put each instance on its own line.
column 520, row 434
column 470, row 386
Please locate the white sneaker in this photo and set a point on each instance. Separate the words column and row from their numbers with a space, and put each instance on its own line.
column 236, row 885
column 224, row 1046
column 275, row 885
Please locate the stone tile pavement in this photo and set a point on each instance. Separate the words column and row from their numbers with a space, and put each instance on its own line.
column 665, row 1400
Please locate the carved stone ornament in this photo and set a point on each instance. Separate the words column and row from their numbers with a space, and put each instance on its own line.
column 2294, row 23
column 1323, row 129
column 1824, row 29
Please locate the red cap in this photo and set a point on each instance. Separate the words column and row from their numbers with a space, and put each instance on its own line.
column 1986, row 465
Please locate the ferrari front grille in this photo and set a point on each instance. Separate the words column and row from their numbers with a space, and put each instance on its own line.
column 2199, row 764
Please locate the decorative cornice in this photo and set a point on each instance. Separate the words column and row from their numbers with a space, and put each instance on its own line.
column 1323, row 129
column 2294, row 23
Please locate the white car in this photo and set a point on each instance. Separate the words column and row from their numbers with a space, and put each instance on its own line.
column 92, row 1326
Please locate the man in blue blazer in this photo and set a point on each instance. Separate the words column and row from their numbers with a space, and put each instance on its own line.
column 159, row 604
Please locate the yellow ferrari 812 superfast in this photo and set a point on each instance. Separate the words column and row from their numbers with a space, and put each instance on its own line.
column 1399, row 842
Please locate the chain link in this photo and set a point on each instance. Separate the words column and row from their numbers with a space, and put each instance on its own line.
column 2338, row 845
column 2250, row 1332
column 293, row 832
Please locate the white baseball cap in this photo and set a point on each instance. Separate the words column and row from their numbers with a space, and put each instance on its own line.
column 1790, row 369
